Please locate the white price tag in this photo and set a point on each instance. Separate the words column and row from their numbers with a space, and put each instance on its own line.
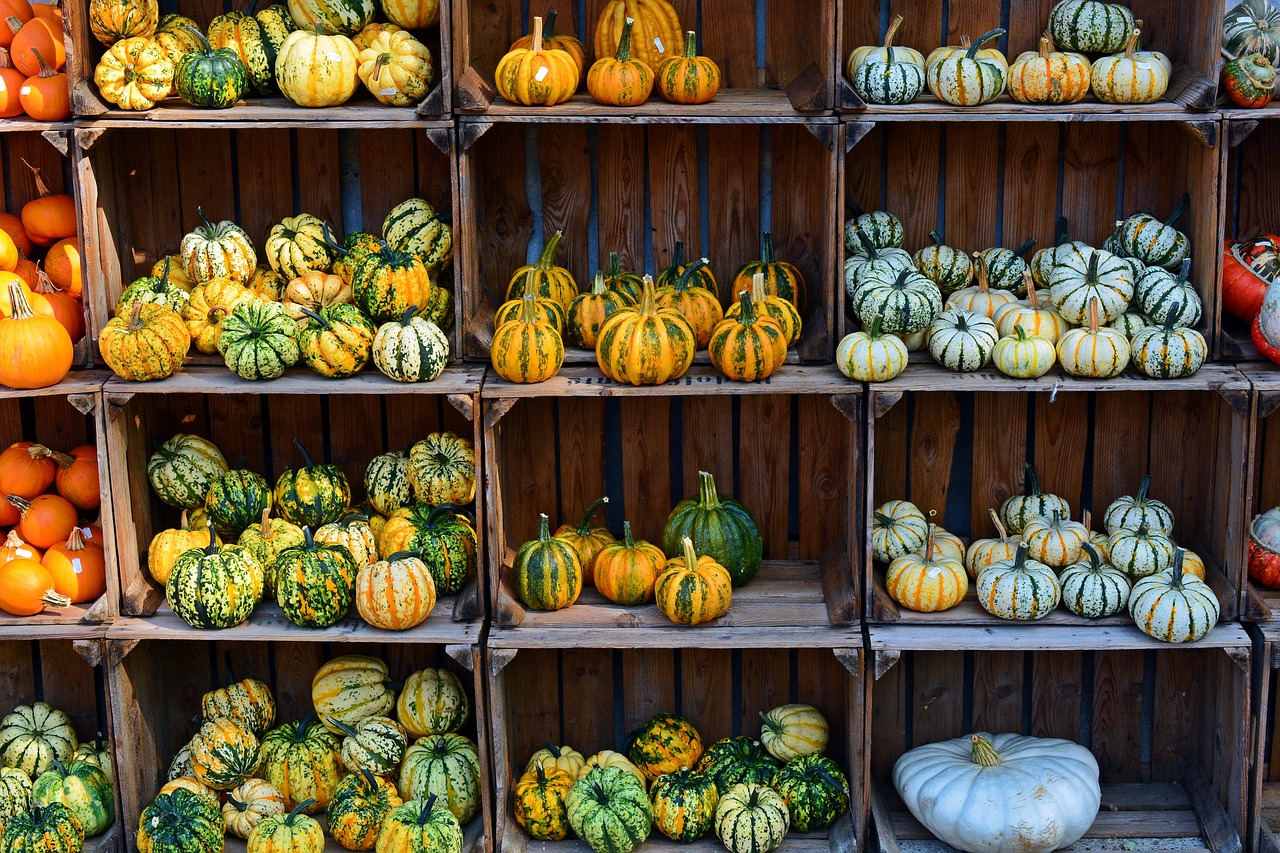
column 657, row 42
column 75, row 564
column 335, row 57
column 541, row 75
column 933, row 573
column 87, row 531
column 385, row 92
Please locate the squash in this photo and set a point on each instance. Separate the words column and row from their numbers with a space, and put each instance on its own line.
column 684, row 805
column 1055, row 541
column 775, row 308
column 692, row 589
column 15, row 793
column 972, row 792
column 395, row 594
column 1093, row 351
column 633, row 284
column 389, row 282
column 1130, row 78
column 443, row 536
column 689, row 78
column 898, row 528
column 317, row 70
column 701, row 307
column 396, row 69
column 1140, row 551
column 815, row 791
column 558, row 757
column 248, row 804
column 216, row 587
column 551, row 40
column 1157, row 291
column 665, row 744
column 150, row 343
column 303, row 761
column 609, row 810
column 655, row 32
column 539, row 803
column 588, row 541
column 1049, row 76
column 297, row 245
column 1018, row 510
column 587, row 312
column 237, row 499
column 49, row 829
column 386, row 481
column 83, row 788
column 413, row 226
column 207, row 307
column 152, row 290
column 1093, row 588
column 620, row 81
column 1249, row 80
column 218, row 250
column 352, row 532
column 351, row 251
column 1022, row 356
column 625, row 571
column 375, row 745
column 528, row 349
column 646, row 345
column 927, row 582
column 748, row 347
column 543, row 278
column 536, row 76
column 338, row 341
column 247, row 702
column 34, row 737
column 945, row 266
column 247, row 39
column 1036, row 318
column 893, row 80
column 751, row 819
column 315, row 583
column 1022, row 589
column 904, row 304
column 1102, row 276
column 113, row 20
column 446, row 766
column 432, row 702
column 781, row 278
column 1133, row 511
column 1253, row 26
column 720, row 527
column 332, row 16
column 547, row 572
column 360, row 805
column 259, row 340
column 961, row 340
column 609, row 758
column 862, row 54
column 411, row 349
column 1169, row 352
column 266, row 283
column 1173, row 606
column 980, row 299
column 1153, row 242
column 967, row 77
column 442, row 469
column 1090, row 26
column 167, row 545
column 411, row 14
column 181, row 821
column 291, row 833
column 734, row 760
column 224, row 754
column 871, row 355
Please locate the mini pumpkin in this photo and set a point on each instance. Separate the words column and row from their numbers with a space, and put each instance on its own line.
column 871, row 355
column 535, row 75
column 1020, row 589
column 898, row 528
column 927, row 582
column 689, row 78
column 619, row 80
column 692, row 589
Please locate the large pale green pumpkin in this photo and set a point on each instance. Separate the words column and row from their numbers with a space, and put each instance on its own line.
column 82, row 787
column 446, row 766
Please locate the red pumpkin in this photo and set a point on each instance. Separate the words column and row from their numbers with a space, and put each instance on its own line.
column 1264, row 564
column 24, row 472
column 1248, row 266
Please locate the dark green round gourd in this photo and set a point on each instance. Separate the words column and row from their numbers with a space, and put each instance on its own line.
column 50, row 829
column 732, row 760
column 609, row 809
column 180, row 821
column 815, row 791
column 214, row 587
column 315, row 582
column 236, row 500
column 446, row 540
column 720, row 527
column 547, row 571
column 684, row 805
column 210, row 77
column 313, row 495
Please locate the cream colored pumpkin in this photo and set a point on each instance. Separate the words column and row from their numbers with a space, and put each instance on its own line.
column 314, row 70
column 248, row 804
column 928, row 582
column 1055, row 541
column 1021, row 589
column 609, row 758
column 396, row 69
column 1133, row 511
column 791, row 731
column 1094, row 588
column 312, row 291
column 1034, row 315
column 984, row 552
column 980, row 298
column 1129, row 78
column 210, row 303
column 945, row 543
column 1093, row 351
column 871, row 356
column 968, row 77
column 553, row 757
column 1024, row 356
column 1174, row 606
column 1140, row 552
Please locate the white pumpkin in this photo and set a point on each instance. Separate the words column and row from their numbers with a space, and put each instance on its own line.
column 1173, row 607
column 1002, row 793
column 1133, row 511
column 1094, row 588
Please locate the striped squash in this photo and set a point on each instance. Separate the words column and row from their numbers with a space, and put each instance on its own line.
column 386, row 481
column 444, row 766
column 751, row 819
column 792, row 731
column 1049, row 76
column 1055, row 541
column 224, row 754
column 1140, row 551
column 547, row 571
column 692, row 589
column 983, row 552
column 1159, row 292
column 1093, row 588
column 748, row 346
column 868, row 52
column 259, row 340
column 318, row 70
column 215, row 587
column 181, row 820
column 1153, row 242
column 619, row 80
column 315, row 583
column 265, row 540
column 944, row 265
column 1020, row 589
column 701, row 307
column 182, row 469
column 387, row 283
column 360, row 805
column 665, row 744
column 338, row 341
column 539, row 803
column 15, row 792
column 609, row 758
column 113, row 20
column 646, row 345
column 412, row 349
column 415, row 227
column 871, row 356
column 150, row 343
column 548, row 310
column 1133, row 511
column 1093, row 351
column 352, row 532
column 897, row 528
column 543, row 278
column 528, row 349
column 586, row 539
column 1090, row 26
column 1173, row 607
column 247, row 702
column 904, row 304
column 815, row 791
column 927, row 582
column 610, row 810
column 1253, row 27
column 1130, row 77
column 732, row 760
column 297, row 245
column 442, row 469
column 443, row 536
column 312, row 495
column 395, row 594
column 1101, row 276
column 1007, row 268
column 411, row 14
column 890, row 80
column 375, row 744
column 1169, row 352
column 970, row 77
column 1018, row 510
column 245, row 37
column 962, row 340
column 684, row 805
column 33, row 737
column 432, row 702
column 780, row 277
column 688, row 78
column 237, row 499
column 588, row 311
column 218, row 250
column 720, row 527
column 780, row 310
column 351, row 688
column 625, row 571
column 332, row 16
column 303, row 761
column 633, row 284
column 153, row 290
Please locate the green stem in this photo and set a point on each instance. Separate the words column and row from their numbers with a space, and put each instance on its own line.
column 547, row 259
column 766, row 247
column 981, row 40
column 747, row 316
column 690, row 45
column 584, row 528
column 628, row 541
column 983, row 752
column 544, row 532
column 624, row 43
column 306, row 457
column 707, row 496
column 1180, row 209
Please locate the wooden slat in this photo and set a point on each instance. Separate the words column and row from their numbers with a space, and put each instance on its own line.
column 648, row 685
column 673, row 190
column 733, row 159
column 1061, row 436
column 971, row 150
column 997, row 691
column 766, row 678
column 997, row 464
column 763, row 464
column 1055, row 694
column 622, row 187
column 912, row 178
column 566, row 196
column 706, row 678
column 646, row 485
column 938, row 697
column 1117, row 683
column 588, row 676
column 933, row 437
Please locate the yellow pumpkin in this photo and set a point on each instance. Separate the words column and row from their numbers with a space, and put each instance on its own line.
column 411, row 14
column 693, row 589
column 1049, row 76
column 927, row 582
column 209, row 304
column 316, row 70
column 1024, row 356
column 1035, row 317
column 134, row 74
column 528, row 350
column 552, row 40
column 537, row 76
column 396, row 69
column 701, row 307
column 980, row 298
column 655, row 35
column 167, row 545
column 312, row 291
column 645, row 345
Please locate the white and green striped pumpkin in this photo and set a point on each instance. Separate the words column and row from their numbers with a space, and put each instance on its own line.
column 1169, row 352
column 1173, row 607
column 1046, row 260
column 411, row 349
column 446, row 766
column 1158, row 291
column 944, row 265
column 1093, row 351
column 1007, row 268
column 1140, row 551
column 891, row 80
column 752, row 819
column 1018, row 510
column 609, row 809
column 1133, row 511
column 1252, row 27
column 1055, row 541
column 1130, row 77
column 182, row 469
column 873, row 265
column 961, row 340
column 906, row 305
column 791, row 731
column 1099, row 275
column 386, row 481
column 376, row 744
column 1153, row 242
column 1129, row 324
column 1090, row 26
column 332, row 16
column 971, row 77
column 872, row 355
column 33, row 737
column 1021, row 589
column 867, row 52
column 881, row 229
column 1094, row 588
column 897, row 528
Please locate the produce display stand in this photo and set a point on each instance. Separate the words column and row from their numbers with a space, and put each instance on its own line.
column 590, row 688
column 1167, row 724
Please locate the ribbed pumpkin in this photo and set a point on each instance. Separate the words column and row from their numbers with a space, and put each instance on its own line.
column 748, row 346
column 656, row 31
column 898, row 528
column 211, row 76
column 904, row 302
column 792, row 731
column 1252, row 26
column 1140, row 551
column 360, row 805
column 315, row 583
column 396, row 69
column 181, row 822
column 980, row 298
column 946, row 266
column 1020, row 589
column 587, row 540
column 968, row 77
column 347, row 254
column 33, row 737
column 733, row 760
column 265, row 539
column 1130, row 77
column 247, row 702
column 588, row 311
column 208, row 306
column 388, row 282
column 313, row 290
column 867, row 52
column 1049, row 76
column 549, row 311
column 332, row 16
column 626, row 571
column 444, row 538
column 152, row 290
column 113, row 20
column 609, row 758
column 539, row 803
column 80, row 786
column 1153, row 242
column 927, row 582
column 610, row 810
column 553, row 40
column 224, row 754
column 564, row 758
column 1024, row 356
column 352, row 532
column 134, row 74
column 815, row 791
column 892, row 79
column 528, row 349
column 245, row 36
column 312, row 495
column 315, row 70
column 983, row 552
column 248, row 804
column 962, row 340
column 442, row 469
column 646, row 345
column 701, row 307
column 412, row 349
column 375, row 744
column 692, row 589
column 1018, row 510
column 665, row 744
column 189, row 783
column 218, row 250
column 395, row 594
column 167, row 545
column 1054, row 540
column 547, row 572
column 1091, row 26
column 543, row 278
column 1157, row 291
column 297, row 245
column 237, row 499
column 780, row 277
column 537, row 75
column 432, row 702
column 720, row 527
column 751, row 819
column 259, row 340
column 15, row 793
column 386, row 481
column 1035, row 317
column 337, row 342
column 414, row 226
column 217, row 587
column 151, row 343
column 633, row 284
column 1093, row 351
column 446, row 766
column 1167, row 351
column 780, row 310
column 1093, row 588
column 871, row 355
column 291, row 833
column 619, row 80
column 1172, row 606
column 303, row 761
column 684, row 805
column 1133, row 511
column 688, row 78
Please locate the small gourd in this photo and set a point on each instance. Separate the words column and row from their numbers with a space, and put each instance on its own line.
column 620, row 81
column 533, row 76
column 689, row 78
column 928, row 582
column 984, row 552
column 1093, row 588
column 1141, row 551
column 1021, row 589
column 1049, row 76
column 1035, row 317
column 692, row 589
column 867, row 52
column 528, row 350
column 945, row 265
column 871, row 355
column 1127, row 78
column 1168, row 351
column 892, row 80
column 547, row 571
column 980, row 299
column 1018, row 510
column 588, row 311
column 1054, row 541
column 962, row 340
column 1024, row 356
column 1133, row 511
column 1093, row 351
column 701, row 307
column 969, row 77
column 897, row 528
column 747, row 347
column 1173, row 606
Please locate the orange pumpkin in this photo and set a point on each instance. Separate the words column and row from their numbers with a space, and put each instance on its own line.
column 48, row 10
column 27, row 270
column 35, row 350
column 67, row 310
column 35, row 301
column 77, row 477
column 9, row 514
column 9, row 255
column 62, row 263
column 26, row 588
column 689, row 78
column 46, row 520
column 46, row 96
column 619, row 80
column 15, row 549
column 19, row 9
column 11, row 224
column 551, row 40
column 27, row 469
column 11, row 80
column 36, row 35
column 79, row 570
column 50, row 217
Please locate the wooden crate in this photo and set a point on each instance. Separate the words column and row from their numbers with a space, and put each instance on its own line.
column 257, row 422
column 84, row 51
column 1167, row 724
column 998, row 183
column 563, row 686
column 957, row 443
column 1264, row 797
column 1189, row 33
column 141, row 184
column 1249, row 184
column 637, row 189
column 64, row 416
column 157, row 679
column 1263, row 489
column 555, row 447
column 776, row 59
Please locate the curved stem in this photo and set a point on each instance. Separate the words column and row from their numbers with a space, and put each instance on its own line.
column 547, row 259
column 584, row 527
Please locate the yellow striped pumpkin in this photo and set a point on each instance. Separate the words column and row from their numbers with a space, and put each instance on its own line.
column 778, row 309
column 1128, row 78
column 927, row 582
column 654, row 36
column 395, row 594
column 537, row 75
column 871, row 356
column 1049, row 76
column 315, row 70
column 1093, row 351
column 747, row 347
column 970, row 77
column 985, row 552
column 692, row 589
column 647, row 344
column 1174, row 606
column 1020, row 589
column 619, row 80
column 528, row 350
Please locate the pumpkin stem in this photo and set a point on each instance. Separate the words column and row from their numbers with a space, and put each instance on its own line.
column 209, row 226
column 928, row 543
column 75, row 540
column 1033, row 479
column 239, row 806
column 682, row 281
column 935, row 236
column 983, row 39
column 868, row 248
column 894, row 25
column 1184, row 271
column 983, row 752
column 690, row 45
column 529, row 309
column 212, row 548
column 297, row 810
column 757, row 288
column 598, row 287
column 624, row 42
column 1095, row 561
column 368, row 779
column 304, row 725
column 314, row 316
column 677, row 256
column 1174, row 310
column 19, row 306
column 546, row 260
column 584, row 527
column 404, row 555
column 22, row 504
column 1141, row 497
column 766, row 247
column 984, row 286
column 648, row 298
column 747, row 316
column 343, row 727
column 544, row 533
column 1046, row 45
column 1025, row 247
column 690, row 556
column 1131, row 47
column 425, row 814
column 708, row 498
column 433, row 517
column 45, row 70
column 42, row 189
column 1175, row 568
column 1093, row 315
column 306, row 457
column 1033, row 298
column 874, row 331
column 1000, row 528
column 308, row 539
column 1020, row 333
column 628, row 541
column 537, row 34
column 329, row 241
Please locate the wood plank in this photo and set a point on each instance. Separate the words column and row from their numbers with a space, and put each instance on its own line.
column 646, row 473
column 1179, row 714
column 997, row 691
column 1031, row 160
column 733, row 167
column 765, row 678
column 320, row 194
column 1061, row 437
column 728, row 36
column 587, row 723
column 1090, row 181
column 533, row 707
column 1117, row 683
column 581, row 455
column 674, row 190
column 933, row 438
column 911, row 182
column 566, row 196
column 997, row 465
column 1055, row 695
column 800, row 217
column 764, row 443
column 648, row 685
column 972, row 195
column 706, row 691
column 827, row 481
column 264, row 188
column 706, row 436
column 937, row 701
column 621, row 170
column 1121, row 430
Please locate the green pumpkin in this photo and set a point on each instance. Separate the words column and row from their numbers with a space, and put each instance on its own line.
column 259, row 340
column 609, row 809
column 751, row 819
column 253, row 48
column 386, row 481
column 339, row 341
column 376, row 744
column 360, row 805
column 446, row 766
column 315, row 582
column 265, row 540
column 378, row 283
column 414, row 226
column 153, row 290
column 182, row 469
column 446, row 541
column 413, row 348
column 720, row 527
column 224, row 754
column 15, row 793
column 49, row 829
column 181, row 822
column 33, row 737
column 440, row 306
column 313, row 495
column 210, row 77
column 1089, row 26
column 944, row 265
column 815, row 791
column 684, row 805
column 237, row 499
column 732, row 760
column 303, row 760
column 425, row 826
column 96, row 751
column 82, row 787
column 895, row 79
column 217, row 587
column 547, row 571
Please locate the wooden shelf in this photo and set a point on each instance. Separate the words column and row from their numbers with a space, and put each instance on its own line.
column 839, row 839
column 1035, row 637
column 219, row 380
column 75, row 382
column 263, row 113
column 672, row 636
column 927, row 375
column 577, row 355
column 473, row 839
column 700, row 380
column 27, row 125
column 731, row 106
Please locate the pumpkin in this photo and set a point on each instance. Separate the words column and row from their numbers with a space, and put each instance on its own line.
column 285, row 833
column 1130, row 78
column 927, row 582
column 898, row 528
column 217, row 587
column 224, row 754
column 347, row 254
column 815, row 791
column 302, row 760
column 35, row 41
column 747, row 347
column 1140, row 551
column 45, row 95
column 548, row 310
column 720, row 527
column 34, row 737
column 647, row 344
column 352, row 532
column 443, row 537
column 15, row 793
column 259, row 340
column 68, row 310
column 1049, row 76
column 539, row 803
column 37, row 349
column 83, row 788
column 1093, row 351
column 692, row 589
column 413, row 226
column 609, row 810
column 865, row 53
column 587, row 312
column 1253, row 26
column 388, row 282
column 588, row 541
column 247, row 702
column 218, row 250
column 656, row 29
column 964, row 791
column 266, row 283
column 558, row 757
column 781, row 278
column 376, row 745
column 947, row 267
column 296, row 246
column 1102, row 276
column 1249, row 80
column 26, row 588
column 27, row 469
column 155, row 290
column 980, row 299
column 893, row 80
column 44, row 829
column 237, row 499
column 135, row 74
column 609, row 758
column 701, row 307
column 544, row 279
column 1037, row 319
column 1173, row 606
column 351, row 688
column 315, row 582
column 79, row 570
column 395, row 594
column 620, row 81
column 775, row 308
column 167, row 545
column 113, row 20
column 62, row 264
column 1055, row 541
column 432, row 702
column 332, row 16
column 547, row 572
column 751, row 819
column 552, row 40
column 689, row 78
column 396, row 69
column 1018, row 510
column 207, row 307
column 684, row 805
column 665, row 744
column 789, row 732
column 529, row 349
column 15, row 549
column 967, row 77
column 633, row 284
column 247, row 38
column 1168, row 351
column 338, row 342
column 316, row 70
column 209, row 76
column 180, row 768
column 50, row 216
column 1022, row 356
column 1133, row 511
column 871, row 355
column 1093, row 588
column 733, row 760
column 625, row 572
column 961, row 340
column 446, row 766
column 904, row 304
column 535, row 76
column 1090, row 26
column 360, row 805
column 181, row 821
column 442, row 469
column 1022, row 588
column 386, row 481
column 248, row 804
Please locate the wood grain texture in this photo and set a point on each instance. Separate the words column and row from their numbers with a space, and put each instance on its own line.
column 972, row 195
column 1055, row 694
column 997, row 691
column 764, row 463
column 674, row 191
column 566, row 196
column 622, row 193
column 1117, row 738
column 997, row 462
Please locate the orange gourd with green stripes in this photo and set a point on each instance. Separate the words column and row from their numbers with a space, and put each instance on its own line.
column 665, row 744
column 528, row 350
column 780, row 310
column 780, row 278
column 620, row 81
column 588, row 311
column 700, row 306
column 748, row 346
column 626, row 571
column 547, row 571
column 646, row 345
column 692, row 589
column 689, row 78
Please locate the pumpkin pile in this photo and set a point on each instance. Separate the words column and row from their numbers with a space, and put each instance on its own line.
column 52, row 555
column 32, row 55
column 305, row 544
column 1041, row 558
column 333, row 306
column 638, row 44
column 51, row 784
column 1092, row 310
column 645, row 331
column 711, row 544
column 313, row 52
column 388, row 773
column 749, row 791
column 1251, row 45
column 1057, row 72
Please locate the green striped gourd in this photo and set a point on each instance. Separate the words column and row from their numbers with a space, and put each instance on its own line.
column 1157, row 291
column 970, row 77
column 360, row 805
column 1167, row 351
column 182, row 469
column 888, row 80
column 248, row 702
column 303, row 760
column 732, row 760
column 82, row 787
column 1140, row 551
column 15, row 793
column 442, row 469
column 1094, row 588
column 1153, row 242
column 684, row 805
column 1021, row 589
column 547, row 571
column 312, row 495
column 443, row 536
column 610, row 810
column 869, row 263
column 265, row 540
column 351, row 688
column 944, row 265
column 720, row 527
column 751, row 819
column 1007, row 268
column 244, row 37
column 215, row 587
column 411, row 349
column 375, row 744
column 665, row 744
column 432, row 702
column 237, row 499
column 898, row 528
column 224, row 754
column 414, row 226
column 153, row 290
column 421, row 826
column 347, row 17
column 33, row 737
column 387, row 283
column 338, row 341
column 962, row 340
column 904, row 306
column 1089, row 26
column 259, row 340
column 815, row 791
column 1173, row 607
column 1100, row 275
column 276, row 24
column 1017, row 510
column 181, row 822
column 446, row 766
column 315, row 582
column 386, row 481
column 1133, row 511
column 1253, row 26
